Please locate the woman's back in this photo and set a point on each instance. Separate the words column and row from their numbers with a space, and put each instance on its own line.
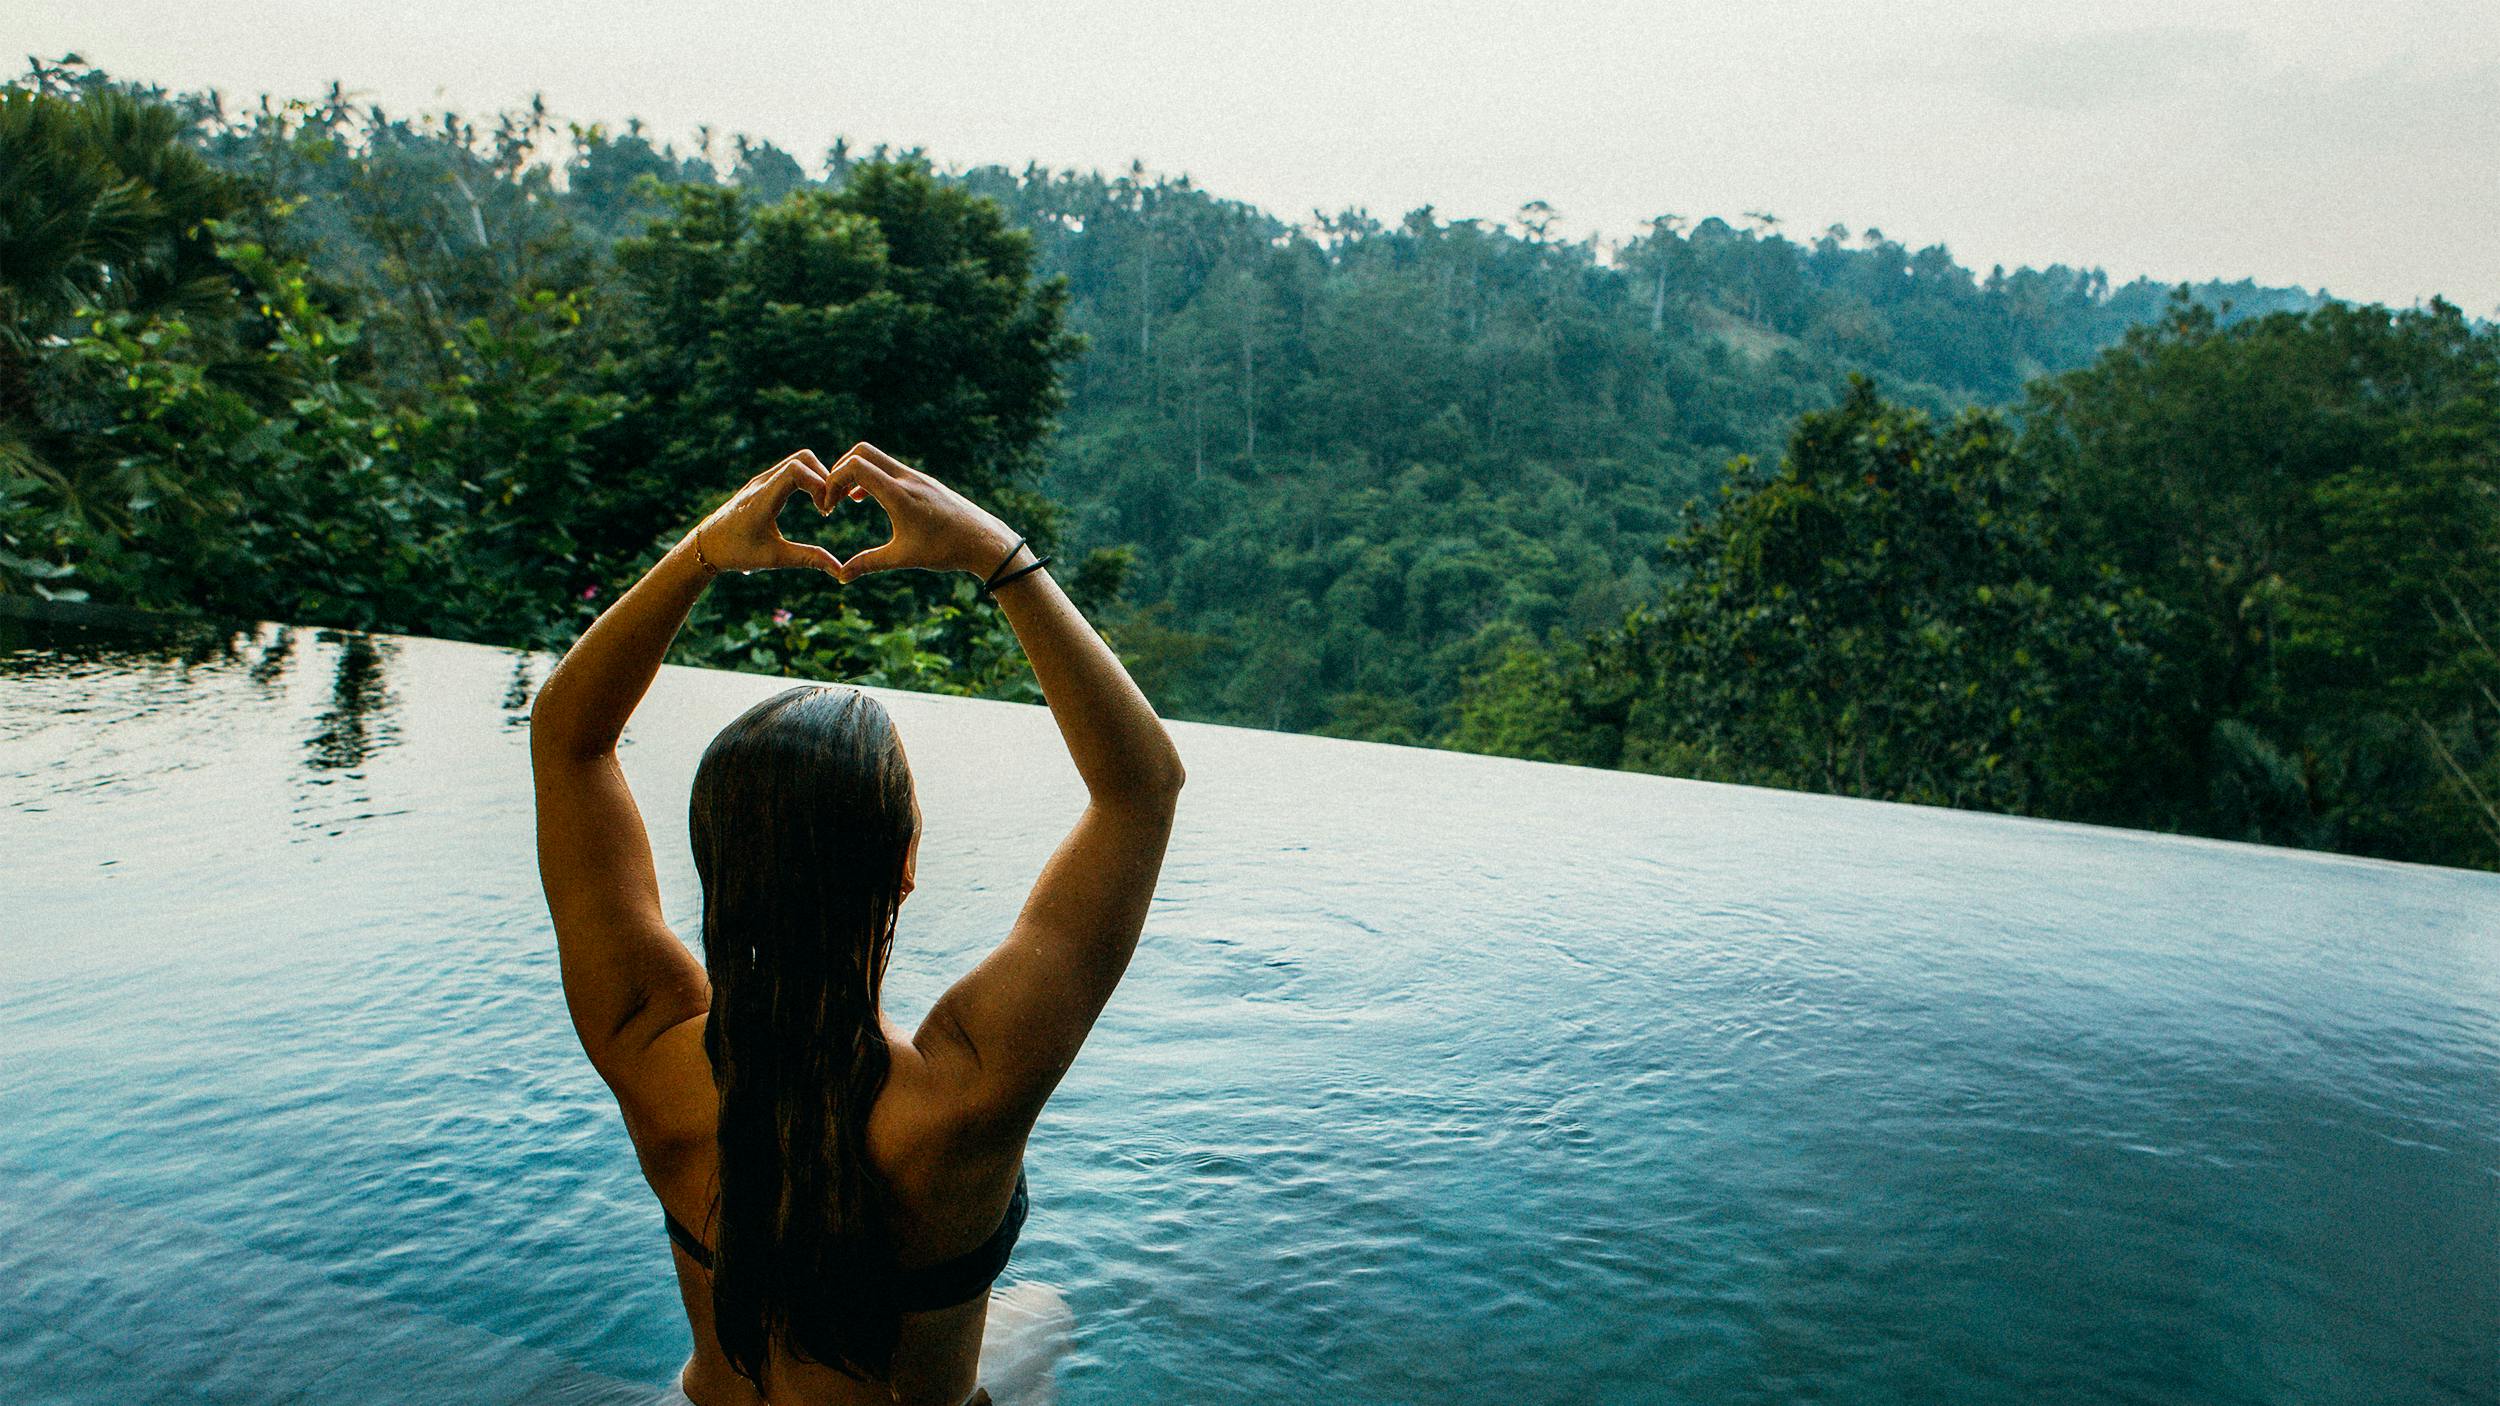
column 952, row 1201
column 830, row 1168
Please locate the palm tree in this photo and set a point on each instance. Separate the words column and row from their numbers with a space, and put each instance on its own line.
column 101, row 205
column 66, row 217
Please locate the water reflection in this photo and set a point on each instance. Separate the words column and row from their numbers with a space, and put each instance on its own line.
column 188, row 678
column 275, row 653
column 357, row 723
column 518, row 695
column 36, row 645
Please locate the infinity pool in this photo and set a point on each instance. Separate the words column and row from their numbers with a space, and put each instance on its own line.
column 1438, row 1078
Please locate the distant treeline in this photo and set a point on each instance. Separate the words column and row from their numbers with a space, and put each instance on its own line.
column 2223, row 565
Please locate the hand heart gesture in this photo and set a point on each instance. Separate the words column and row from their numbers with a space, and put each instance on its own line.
column 744, row 534
column 935, row 527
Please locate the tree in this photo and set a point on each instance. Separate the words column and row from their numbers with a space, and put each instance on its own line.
column 898, row 310
column 1889, row 615
column 104, row 218
column 99, row 207
column 2313, row 494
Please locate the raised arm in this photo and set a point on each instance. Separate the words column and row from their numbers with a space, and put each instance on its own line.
column 626, row 976
column 1011, row 1027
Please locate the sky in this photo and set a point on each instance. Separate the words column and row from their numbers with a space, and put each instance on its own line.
column 2352, row 145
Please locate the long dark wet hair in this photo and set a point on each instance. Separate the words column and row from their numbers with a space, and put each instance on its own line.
column 802, row 818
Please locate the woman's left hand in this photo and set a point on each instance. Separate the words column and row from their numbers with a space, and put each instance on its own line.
column 744, row 533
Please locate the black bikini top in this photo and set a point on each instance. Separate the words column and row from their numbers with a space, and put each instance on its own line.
column 931, row 1286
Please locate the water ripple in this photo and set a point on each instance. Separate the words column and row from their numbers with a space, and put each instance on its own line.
column 1453, row 1078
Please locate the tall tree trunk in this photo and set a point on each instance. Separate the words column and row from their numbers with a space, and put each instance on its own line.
column 1249, row 395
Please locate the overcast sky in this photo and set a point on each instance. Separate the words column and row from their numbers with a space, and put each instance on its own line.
column 2350, row 144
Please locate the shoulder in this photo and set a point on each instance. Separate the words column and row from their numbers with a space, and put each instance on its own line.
column 952, row 1184
column 930, row 1126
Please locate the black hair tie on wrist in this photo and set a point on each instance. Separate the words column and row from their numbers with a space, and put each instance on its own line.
column 1016, row 575
column 1002, row 563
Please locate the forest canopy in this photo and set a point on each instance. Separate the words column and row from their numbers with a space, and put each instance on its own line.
column 2212, row 558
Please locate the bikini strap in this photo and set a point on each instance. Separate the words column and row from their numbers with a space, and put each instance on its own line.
column 939, row 1285
column 686, row 1241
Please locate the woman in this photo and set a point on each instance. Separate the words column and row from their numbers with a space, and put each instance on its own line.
column 840, row 1191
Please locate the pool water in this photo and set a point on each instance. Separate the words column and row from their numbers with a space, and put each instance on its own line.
column 1437, row 1078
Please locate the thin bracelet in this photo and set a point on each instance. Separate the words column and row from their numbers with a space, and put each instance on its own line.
column 698, row 552
column 1002, row 563
column 1019, row 574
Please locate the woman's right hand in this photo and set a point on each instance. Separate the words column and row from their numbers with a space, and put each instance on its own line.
column 935, row 527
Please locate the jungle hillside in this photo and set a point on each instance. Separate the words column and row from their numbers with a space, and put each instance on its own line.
column 1713, row 498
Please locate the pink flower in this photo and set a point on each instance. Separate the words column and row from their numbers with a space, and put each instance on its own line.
column 781, row 617
column 590, row 593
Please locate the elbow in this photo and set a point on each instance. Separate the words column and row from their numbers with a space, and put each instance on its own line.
column 559, row 749
column 1170, row 775
column 556, row 738
column 1167, row 787
column 1158, row 781
column 543, row 724
column 547, row 737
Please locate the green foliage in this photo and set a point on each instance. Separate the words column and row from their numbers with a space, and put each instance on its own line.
column 1887, row 616
column 100, row 206
column 402, row 387
column 511, row 436
column 230, row 476
column 1526, row 705
column 923, row 654
column 2318, row 495
column 1505, row 422
column 2233, row 579
column 2229, row 567
column 898, row 310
